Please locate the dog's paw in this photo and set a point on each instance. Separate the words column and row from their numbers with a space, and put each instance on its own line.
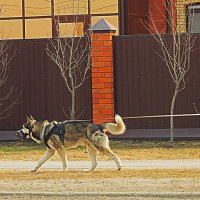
column 64, row 170
column 119, row 168
column 89, row 170
column 34, row 170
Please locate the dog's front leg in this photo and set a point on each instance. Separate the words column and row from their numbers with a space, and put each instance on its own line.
column 48, row 154
column 62, row 153
column 93, row 155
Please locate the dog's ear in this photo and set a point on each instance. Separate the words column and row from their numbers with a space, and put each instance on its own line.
column 31, row 120
column 31, row 117
column 28, row 119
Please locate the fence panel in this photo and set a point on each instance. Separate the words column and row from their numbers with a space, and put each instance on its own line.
column 143, row 85
column 43, row 91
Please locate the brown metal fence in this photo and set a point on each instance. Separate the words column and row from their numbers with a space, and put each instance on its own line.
column 143, row 85
column 43, row 91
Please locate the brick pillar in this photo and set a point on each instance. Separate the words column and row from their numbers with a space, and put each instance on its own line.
column 102, row 73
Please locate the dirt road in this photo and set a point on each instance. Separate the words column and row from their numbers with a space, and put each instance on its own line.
column 114, row 188
column 105, row 189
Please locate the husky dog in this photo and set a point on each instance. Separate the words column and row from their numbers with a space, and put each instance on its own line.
column 59, row 136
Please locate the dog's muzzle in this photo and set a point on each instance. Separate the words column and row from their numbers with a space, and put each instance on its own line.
column 21, row 135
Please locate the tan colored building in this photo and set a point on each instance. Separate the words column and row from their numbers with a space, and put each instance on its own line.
column 24, row 19
column 188, row 11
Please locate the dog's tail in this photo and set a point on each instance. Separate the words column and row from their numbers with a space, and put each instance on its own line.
column 115, row 128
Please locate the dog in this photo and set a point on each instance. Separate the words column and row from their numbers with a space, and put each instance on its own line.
column 59, row 136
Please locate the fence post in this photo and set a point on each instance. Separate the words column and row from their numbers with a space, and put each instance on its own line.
column 102, row 71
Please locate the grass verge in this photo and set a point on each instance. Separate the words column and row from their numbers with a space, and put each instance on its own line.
column 99, row 174
column 126, row 149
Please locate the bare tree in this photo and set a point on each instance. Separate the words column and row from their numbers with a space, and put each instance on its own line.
column 176, row 54
column 7, row 102
column 72, row 56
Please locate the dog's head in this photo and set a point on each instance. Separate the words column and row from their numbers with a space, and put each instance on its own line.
column 25, row 131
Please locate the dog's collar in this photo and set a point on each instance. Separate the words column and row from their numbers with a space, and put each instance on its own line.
column 30, row 128
column 42, row 133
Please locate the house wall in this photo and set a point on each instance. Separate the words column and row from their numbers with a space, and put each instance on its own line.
column 157, row 16
column 160, row 13
column 35, row 20
column 181, row 13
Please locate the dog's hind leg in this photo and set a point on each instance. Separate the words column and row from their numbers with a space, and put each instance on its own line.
column 92, row 151
column 112, row 155
column 62, row 153
column 48, row 154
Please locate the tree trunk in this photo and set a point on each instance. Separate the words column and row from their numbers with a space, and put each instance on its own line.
column 172, row 113
column 72, row 114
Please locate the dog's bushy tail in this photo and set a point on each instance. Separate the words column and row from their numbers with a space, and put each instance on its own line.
column 115, row 128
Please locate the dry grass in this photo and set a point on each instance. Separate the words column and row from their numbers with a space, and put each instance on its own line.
column 100, row 174
column 127, row 150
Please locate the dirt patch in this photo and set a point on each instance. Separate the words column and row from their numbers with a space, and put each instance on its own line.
column 100, row 184
column 43, row 174
column 21, row 197
column 69, row 188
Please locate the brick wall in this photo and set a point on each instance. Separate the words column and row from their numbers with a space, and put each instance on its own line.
column 157, row 15
column 157, row 10
column 102, row 76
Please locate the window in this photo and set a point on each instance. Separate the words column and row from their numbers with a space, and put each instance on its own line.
column 107, row 9
column 193, row 22
column 106, row 6
column 71, row 29
column 22, row 19
column 37, row 8
column 70, row 25
column 38, row 28
column 11, row 29
column 11, row 8
column 70, row 7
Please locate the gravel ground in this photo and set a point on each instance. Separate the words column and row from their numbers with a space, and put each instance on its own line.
column 92, row 188
column 101, row 189
column 71, row 198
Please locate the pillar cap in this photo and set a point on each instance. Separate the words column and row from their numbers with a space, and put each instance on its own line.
column 103, row 26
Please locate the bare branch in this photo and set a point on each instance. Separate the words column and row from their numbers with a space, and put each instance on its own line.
column 175, row 53
column 71, row 55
